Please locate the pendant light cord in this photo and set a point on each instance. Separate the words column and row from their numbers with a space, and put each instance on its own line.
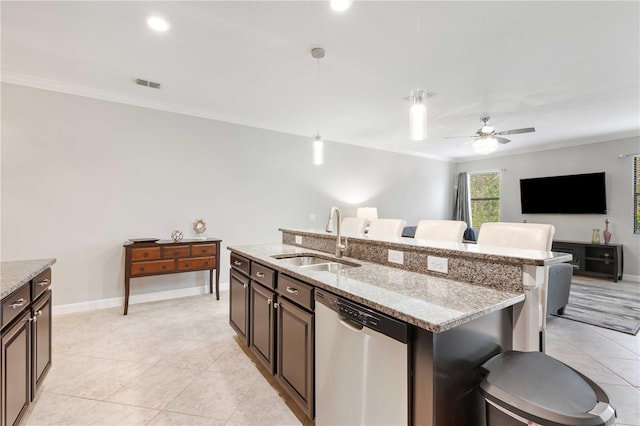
column 318, row 97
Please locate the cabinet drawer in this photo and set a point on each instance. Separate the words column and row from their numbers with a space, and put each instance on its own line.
column 240, row 263
column 175, row 251
column 196, row 263
column 203, row 250
column 296, row 291
column 146, row 253
column 154, row 267
column 263, row 275
column 40, row 284
column 15, row 303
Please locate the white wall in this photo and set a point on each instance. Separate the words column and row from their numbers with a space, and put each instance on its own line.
column 597, row 157
column 80, row 176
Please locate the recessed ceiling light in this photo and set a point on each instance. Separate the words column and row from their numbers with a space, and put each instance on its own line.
column 340, row 5
column 157, row 23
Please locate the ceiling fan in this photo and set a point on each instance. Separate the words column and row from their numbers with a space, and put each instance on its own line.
column 486, row 139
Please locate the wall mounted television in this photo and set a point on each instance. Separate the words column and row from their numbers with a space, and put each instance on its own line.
column 569, row 194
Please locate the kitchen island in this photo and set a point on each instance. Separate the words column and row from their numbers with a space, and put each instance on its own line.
column 25, row 317
column 454, row 326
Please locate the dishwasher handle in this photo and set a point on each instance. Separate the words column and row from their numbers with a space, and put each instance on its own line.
column 350, row 324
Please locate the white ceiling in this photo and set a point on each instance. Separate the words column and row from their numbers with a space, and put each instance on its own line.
column 569, row 69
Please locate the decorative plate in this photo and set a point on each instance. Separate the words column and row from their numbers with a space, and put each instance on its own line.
column 144, row 240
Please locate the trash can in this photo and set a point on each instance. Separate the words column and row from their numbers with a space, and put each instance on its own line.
column 533, row 388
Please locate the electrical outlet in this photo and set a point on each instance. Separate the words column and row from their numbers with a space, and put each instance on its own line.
column 396, row 256
column 298, row 239
column 438, row 264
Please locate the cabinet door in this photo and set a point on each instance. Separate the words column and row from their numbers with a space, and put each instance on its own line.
column 239, row 305
column 41, row 339
column 16, row 370
column 295, row 353
column 262, row 321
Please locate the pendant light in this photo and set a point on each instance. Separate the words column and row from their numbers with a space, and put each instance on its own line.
column 318, row 143
column 418, row 115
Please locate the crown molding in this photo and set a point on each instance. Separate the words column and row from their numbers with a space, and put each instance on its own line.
column 110, row 96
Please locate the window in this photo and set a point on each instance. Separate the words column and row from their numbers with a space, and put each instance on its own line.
column 636, row 194
column 485, row 197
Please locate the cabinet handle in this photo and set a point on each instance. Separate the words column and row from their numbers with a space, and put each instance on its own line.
column 260, row 274
column 245, row 286
column 44, row 282
column 18, row 303
column 292, row 290
column 38, row 313
column 268, row 301
column 275, row 306
column 32, row 319
column 237, row 263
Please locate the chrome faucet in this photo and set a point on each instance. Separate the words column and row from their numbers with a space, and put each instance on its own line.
column 335, row 213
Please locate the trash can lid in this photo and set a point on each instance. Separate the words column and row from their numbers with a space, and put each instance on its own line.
column 535, row 384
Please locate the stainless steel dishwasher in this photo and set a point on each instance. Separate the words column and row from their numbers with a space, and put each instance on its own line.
column 361, row 364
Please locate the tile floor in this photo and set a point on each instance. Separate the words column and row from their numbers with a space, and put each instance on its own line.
column 177, row 362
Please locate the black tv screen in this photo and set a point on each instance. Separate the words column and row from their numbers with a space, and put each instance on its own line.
column 570, row 194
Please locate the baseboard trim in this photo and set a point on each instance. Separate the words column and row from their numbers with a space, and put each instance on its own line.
column 632, row 278
column 135, row 299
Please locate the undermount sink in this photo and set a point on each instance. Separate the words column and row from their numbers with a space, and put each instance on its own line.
column 315, row 262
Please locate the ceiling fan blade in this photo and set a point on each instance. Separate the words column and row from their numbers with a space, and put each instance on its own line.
column 515, row 131
column 502, row 140
column 456, row 137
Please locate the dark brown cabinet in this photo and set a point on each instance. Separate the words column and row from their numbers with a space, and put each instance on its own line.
column 295, row 342
column 25, row 355
column 599, row 260
column 16, row 369
column 262, row 321
column 239, row 304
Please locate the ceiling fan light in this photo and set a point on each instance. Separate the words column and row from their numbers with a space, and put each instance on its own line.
column 418, row 115
column 485, row 146
column 340, row 5
column 318, row 150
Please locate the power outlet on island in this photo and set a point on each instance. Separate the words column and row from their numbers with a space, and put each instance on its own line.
column 396, row 256
column 438, row 264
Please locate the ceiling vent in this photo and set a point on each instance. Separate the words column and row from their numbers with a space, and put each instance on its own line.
column 146, row 83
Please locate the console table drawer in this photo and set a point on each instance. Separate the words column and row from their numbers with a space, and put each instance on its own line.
column 203, row 250
column 153, row 267
column 196, row 263
column 145, row 253
column 175, row 251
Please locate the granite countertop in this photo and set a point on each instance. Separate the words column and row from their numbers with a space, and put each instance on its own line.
column 473, row 251
column 432, row 303
column 14, row 274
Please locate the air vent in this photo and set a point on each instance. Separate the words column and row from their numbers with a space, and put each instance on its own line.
column 146, row 83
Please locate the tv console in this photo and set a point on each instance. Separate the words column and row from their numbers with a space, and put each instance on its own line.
column 599, row 260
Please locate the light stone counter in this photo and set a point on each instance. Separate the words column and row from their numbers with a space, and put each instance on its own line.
column 14, row 274
column 432, row 303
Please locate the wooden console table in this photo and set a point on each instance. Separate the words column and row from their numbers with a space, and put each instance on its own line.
column 143, row 259
column 599, row 260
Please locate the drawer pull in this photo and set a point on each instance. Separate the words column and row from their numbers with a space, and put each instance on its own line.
column 260, row 274
column 203, row 250
column 44, row 282
column 18, row 303
column 206, row 263
column 186, row 264
column 145, row 254
column 237, row 263
column 176, row 252
column 292, row 290
column 164, row 267
column 142, row 269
